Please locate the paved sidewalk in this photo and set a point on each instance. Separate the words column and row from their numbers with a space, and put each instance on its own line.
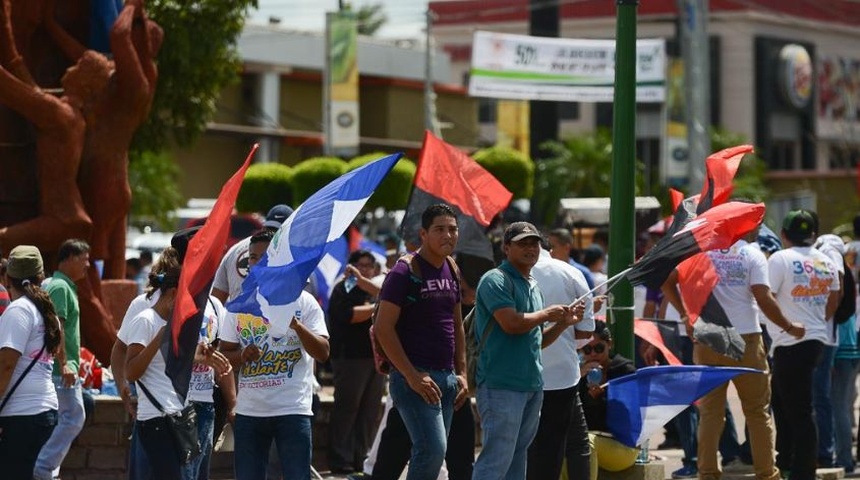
column 671, row 459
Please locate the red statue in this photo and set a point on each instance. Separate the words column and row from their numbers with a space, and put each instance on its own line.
column 81, row 140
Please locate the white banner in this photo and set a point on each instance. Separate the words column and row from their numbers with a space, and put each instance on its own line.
column 560, row 69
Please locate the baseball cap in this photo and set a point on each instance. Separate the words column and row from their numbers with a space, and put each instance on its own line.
column 800, row 226
column 25, row 261
column 277, row 216
column 180, row 240
column 520, row 230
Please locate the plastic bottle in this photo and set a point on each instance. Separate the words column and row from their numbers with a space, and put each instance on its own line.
column 350, row 283
column 642, row 458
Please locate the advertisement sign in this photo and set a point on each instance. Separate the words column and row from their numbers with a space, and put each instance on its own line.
column 676, row 154
column 795, row 75
column 839, row 89
column 560, row 69
column 838, row 98
column 512, row 125
column 341, row 74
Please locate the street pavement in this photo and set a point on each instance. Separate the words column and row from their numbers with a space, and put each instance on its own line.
column 671, row 459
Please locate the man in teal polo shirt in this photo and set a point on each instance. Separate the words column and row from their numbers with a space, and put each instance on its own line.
column 74, row 260
column 510, row 385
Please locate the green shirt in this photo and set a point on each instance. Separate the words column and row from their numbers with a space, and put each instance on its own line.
column 64, row 295
column 508, row 362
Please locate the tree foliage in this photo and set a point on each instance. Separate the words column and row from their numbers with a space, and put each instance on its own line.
column 313, row 174
column 579, row 166
column 514, row 169
column 265, row 185
column 154, row 189
column 196, row 62
column 370, row 18
column 393, row 192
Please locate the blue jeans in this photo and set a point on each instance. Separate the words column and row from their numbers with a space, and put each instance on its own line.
column 70, row 422
column 823, row 405
column 509, row 422
column 428, row 425
column 138, row 464
column 21, row 439
column 843, row 392
column 199, row 467
column 254, row 435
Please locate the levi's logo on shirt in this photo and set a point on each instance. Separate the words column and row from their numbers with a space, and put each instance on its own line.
column 438, row 288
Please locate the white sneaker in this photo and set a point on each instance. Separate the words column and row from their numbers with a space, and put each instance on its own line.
column 737, row 465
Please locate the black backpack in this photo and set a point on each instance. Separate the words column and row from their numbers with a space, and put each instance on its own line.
column 848, row 304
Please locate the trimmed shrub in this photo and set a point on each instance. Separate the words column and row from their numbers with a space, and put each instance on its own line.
column 393, row 192
column 313, row 174
column 265, row 185
column 515, row 170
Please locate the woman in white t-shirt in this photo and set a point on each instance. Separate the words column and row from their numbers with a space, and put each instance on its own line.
column 145, row 365
column 30, row 336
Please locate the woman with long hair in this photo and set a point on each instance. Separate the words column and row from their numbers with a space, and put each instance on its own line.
column 30, row 337
column 145, row 365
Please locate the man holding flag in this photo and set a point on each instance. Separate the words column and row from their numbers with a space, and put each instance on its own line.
column 510, row 312
column 274, row 357
column 741, row 283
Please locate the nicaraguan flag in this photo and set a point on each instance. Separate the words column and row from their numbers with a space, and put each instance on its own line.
column 375, row 249
column 329, row 269
column 304, row 239
column 642, row 402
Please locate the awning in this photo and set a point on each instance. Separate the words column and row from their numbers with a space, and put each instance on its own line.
column 595, row 210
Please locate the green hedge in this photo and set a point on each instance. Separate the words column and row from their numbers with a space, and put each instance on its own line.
column 313, row 174
column 393, row 192
column 265, row 185
column 515, row 170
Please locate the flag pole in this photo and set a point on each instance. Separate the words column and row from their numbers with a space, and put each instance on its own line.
column 412, row 190
column 621, row 209
column 609, row 283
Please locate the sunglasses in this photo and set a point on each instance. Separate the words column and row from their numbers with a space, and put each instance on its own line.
column 599, row 348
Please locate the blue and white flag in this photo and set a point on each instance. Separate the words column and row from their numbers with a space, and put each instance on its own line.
column 304, row 239
column 378, row 251
column 330, row 269
column 642, row 402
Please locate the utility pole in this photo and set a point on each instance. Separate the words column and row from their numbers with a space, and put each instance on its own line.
column 543, row 115
column 431, row 122
column 622, row 218
column 697, row 81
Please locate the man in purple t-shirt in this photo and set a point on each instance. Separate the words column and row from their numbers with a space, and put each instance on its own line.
column 424, row 340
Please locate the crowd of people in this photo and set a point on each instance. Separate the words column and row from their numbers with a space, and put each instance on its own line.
column 526, row 338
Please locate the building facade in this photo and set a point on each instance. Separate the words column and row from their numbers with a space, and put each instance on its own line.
column 279, row 103
column 805, row 127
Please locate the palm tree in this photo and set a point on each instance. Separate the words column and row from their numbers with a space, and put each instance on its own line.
column 370, row 18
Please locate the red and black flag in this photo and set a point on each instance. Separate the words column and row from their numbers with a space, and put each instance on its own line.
column 204, row 253
column 719, row 227
column 447, row 175
column 720, row 168
column 701, row 223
